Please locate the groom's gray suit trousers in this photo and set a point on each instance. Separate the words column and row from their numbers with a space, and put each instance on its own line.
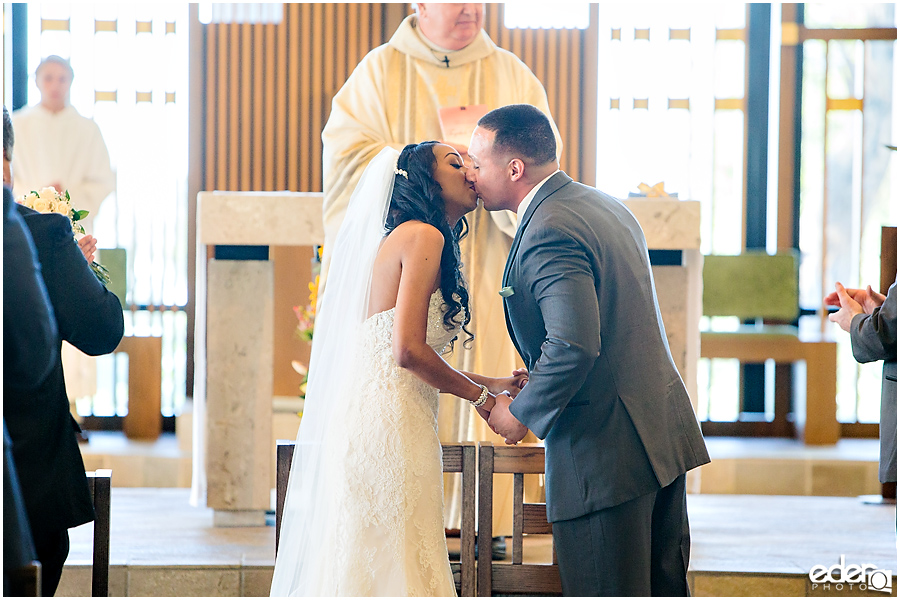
column 637, row 548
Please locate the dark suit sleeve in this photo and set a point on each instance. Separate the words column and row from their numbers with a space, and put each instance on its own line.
column 874, row 337
column 30, row 342
column 561, row 279
column 87, row 314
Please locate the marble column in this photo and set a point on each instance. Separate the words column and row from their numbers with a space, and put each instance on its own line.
column 239, row 390
column 234, row 453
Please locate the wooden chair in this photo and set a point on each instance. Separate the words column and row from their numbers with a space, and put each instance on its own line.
column 100, row 483
column 457, row 458
column 517, row 578
column 24, row 581
column 756, row 285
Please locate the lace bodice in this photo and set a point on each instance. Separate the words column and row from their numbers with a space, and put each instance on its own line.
column 379, row 327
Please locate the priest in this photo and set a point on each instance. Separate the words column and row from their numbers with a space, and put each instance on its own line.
column 57, row 147
column 432, row 81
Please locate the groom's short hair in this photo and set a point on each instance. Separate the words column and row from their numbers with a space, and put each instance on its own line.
column 521, row 130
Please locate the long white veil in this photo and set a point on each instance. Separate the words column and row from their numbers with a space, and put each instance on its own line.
column 331, row 377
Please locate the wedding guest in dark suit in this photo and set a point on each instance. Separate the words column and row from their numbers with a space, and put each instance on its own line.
column 871, row 320
column 29, row 326
column 45, row 449
column 603, row 391
column 18, row 547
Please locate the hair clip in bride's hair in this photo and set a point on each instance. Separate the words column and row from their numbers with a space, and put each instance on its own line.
column 401, row 172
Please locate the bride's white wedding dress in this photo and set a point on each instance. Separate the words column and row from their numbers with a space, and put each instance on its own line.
column 385, row 477
column 363, row 514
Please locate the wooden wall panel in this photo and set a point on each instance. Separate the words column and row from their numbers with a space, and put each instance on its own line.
column 565, row 61
column 268, row 95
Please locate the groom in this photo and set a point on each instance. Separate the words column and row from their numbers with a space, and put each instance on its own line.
column 603, row 391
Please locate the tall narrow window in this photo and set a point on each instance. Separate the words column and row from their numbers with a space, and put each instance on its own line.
column 671, row 109
column 846, row 187
column 131, row 78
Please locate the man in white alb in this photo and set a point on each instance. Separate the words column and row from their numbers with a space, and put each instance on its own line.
column 57, row 147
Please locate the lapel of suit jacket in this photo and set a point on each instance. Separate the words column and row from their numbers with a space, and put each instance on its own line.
column 552, row 185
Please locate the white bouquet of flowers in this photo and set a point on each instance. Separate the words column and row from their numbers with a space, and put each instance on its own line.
column 48, row 200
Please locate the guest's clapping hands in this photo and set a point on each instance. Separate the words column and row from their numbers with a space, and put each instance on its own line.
column 868, row 298
column 504, row 423
column 852, row 302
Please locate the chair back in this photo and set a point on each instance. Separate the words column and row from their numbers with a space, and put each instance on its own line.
column 517, row 577
column 23, row 581
column 752, row 285
column 100, row 483
column 457, row 458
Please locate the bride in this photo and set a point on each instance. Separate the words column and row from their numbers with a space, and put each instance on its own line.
column 363, row 512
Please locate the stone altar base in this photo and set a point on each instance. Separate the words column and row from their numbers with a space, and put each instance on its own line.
column 742, row 545
column 239, row 390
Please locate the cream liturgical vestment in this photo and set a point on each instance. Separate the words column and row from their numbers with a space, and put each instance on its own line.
column 393, row 98
column 64, row 148
column 68, row 149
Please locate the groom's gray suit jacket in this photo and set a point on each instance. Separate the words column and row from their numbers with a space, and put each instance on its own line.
column 603, row 391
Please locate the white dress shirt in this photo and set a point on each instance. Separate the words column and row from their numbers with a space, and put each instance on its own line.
column 526, row 201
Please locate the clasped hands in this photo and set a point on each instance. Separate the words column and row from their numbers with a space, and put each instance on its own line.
column 499, row 418
column 851, row 303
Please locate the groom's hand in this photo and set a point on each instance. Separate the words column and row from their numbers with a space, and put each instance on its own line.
column 504, row 423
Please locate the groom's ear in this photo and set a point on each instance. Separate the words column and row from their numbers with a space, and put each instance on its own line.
column 515, row 169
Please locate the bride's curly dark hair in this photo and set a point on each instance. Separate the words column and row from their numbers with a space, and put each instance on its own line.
column 417, row 197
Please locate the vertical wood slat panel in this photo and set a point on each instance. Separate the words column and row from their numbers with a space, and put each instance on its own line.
column 258, row 109
column 234, row 88
column 363, row 41
column 222, row 112
column 341, row 72
column 271, row 70
column 553, row 67
column 294, row 75
column 314, row 160
column 528, row 52
column 562, row 102
column 330, row 66
column 352, row 26
column 575, row 101
column 246, row 87
column 281, row 108
column 303, row 102
column 209, row 180
column 376, row 25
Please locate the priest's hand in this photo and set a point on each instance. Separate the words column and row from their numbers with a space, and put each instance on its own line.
column 504, row 423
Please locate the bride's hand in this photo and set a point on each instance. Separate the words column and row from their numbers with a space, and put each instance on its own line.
column 512, row 385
